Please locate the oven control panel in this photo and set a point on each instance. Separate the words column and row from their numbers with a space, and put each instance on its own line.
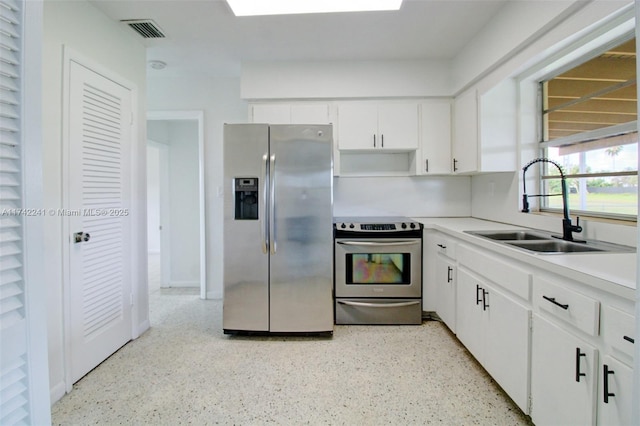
column 389, row 227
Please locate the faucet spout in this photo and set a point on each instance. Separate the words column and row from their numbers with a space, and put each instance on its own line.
column 567, row 227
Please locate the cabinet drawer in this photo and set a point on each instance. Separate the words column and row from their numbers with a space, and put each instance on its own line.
column 619, row 329
column 574, row 308
column 501, row 272
column 445, row 246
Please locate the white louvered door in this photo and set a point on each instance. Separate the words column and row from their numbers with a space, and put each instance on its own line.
column 99, row 201
column 19, row 366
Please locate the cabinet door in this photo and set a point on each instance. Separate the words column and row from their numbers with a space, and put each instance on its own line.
column 563, row 376
column 469, row 318
column 436, row 138
column 446, row 291
column 619, row 387
column 357, row 126
column 507, row 344
column 271, row 113
column 398, row 126
column 465, row 133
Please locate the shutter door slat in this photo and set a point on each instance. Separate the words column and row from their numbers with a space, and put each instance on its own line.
column 14, row 361
column 8, row 43
column 9, row 139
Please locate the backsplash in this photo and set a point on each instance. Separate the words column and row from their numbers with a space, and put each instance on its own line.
column 443, row 196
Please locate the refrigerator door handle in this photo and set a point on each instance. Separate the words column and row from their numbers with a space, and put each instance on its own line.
column 272, row 205
column 265, row 217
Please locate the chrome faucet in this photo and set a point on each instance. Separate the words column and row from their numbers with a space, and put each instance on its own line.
column 567, row 227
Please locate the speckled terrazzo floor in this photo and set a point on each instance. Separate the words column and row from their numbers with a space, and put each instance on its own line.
column 184, row 370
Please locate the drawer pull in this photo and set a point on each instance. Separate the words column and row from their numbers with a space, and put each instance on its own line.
column 442, row 246
column 606, row 392
column 553, row 300
column 629, row 339
column 579, row 355
column 449, row 271
column 478, row 299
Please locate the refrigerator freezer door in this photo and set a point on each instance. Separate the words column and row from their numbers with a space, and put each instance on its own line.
column 301, row 261
column 246, row 260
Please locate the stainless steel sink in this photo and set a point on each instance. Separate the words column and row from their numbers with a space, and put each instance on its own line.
column 541, row 242
column 555, row 246
column 510, row 235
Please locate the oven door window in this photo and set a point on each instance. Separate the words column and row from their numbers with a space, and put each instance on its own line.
column 378, row 268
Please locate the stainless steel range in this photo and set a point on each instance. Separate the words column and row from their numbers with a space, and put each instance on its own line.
column 378, row 270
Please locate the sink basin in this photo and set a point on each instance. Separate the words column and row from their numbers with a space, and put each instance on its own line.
column 542, row 242
column 555, row 246
column 510, row 235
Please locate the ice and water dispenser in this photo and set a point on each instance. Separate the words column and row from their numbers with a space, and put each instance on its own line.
column 246, row 199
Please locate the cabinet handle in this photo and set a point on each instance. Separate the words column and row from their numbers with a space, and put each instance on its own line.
column 629, row 339
column 442, row 246
column 478, row 299
column 606, row 392
column 449, row 271
column 382, row 143
column 553, row 300
column 426, row 165
column 485, row 305
column 579, row 355
column 455, row 165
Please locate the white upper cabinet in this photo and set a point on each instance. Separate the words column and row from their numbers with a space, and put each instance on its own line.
column 378, row 126
column 465, row 133
column 289, row 113
column 484, row 130
column 435, row 133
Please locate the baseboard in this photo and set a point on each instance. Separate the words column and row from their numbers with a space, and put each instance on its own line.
column 143, row 326
column 216, row 294
column 56, row 392
column 184, row 284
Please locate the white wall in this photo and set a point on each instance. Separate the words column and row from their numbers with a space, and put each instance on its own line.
column 153, row 199
column 278, row 80
column 181, row 138
column 402, row 196
column 219, row 98
column 534, row 29
column 498, row 196
column 87, row 31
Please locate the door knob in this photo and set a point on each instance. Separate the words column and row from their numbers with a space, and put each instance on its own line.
column 80, row 237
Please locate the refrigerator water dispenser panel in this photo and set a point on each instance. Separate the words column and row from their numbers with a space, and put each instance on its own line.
column 246, row 198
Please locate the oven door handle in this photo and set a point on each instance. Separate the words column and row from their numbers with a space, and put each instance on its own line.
column 379, row 305
column 376, row 244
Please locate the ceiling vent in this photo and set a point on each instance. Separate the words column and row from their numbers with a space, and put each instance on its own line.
column 145, row 27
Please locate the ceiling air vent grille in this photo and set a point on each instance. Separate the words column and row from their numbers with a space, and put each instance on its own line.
column 145, row 27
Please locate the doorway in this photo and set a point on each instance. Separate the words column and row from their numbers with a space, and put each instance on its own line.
column 175, row 194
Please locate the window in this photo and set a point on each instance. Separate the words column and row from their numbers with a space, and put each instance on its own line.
column 589, row 113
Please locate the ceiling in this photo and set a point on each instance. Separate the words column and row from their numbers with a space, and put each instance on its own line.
column 204, row 35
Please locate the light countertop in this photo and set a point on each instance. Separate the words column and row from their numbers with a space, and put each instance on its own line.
column 611, row 272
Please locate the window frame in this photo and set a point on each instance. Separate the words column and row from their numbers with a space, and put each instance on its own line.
column 583, row 137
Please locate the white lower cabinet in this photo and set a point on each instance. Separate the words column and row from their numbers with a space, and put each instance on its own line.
column 563, row 376
column 495, row 329
column 615, row 393
column 446, row 290
column 562, row 350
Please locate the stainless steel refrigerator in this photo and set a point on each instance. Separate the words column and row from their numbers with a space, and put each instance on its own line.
column 278, row 237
